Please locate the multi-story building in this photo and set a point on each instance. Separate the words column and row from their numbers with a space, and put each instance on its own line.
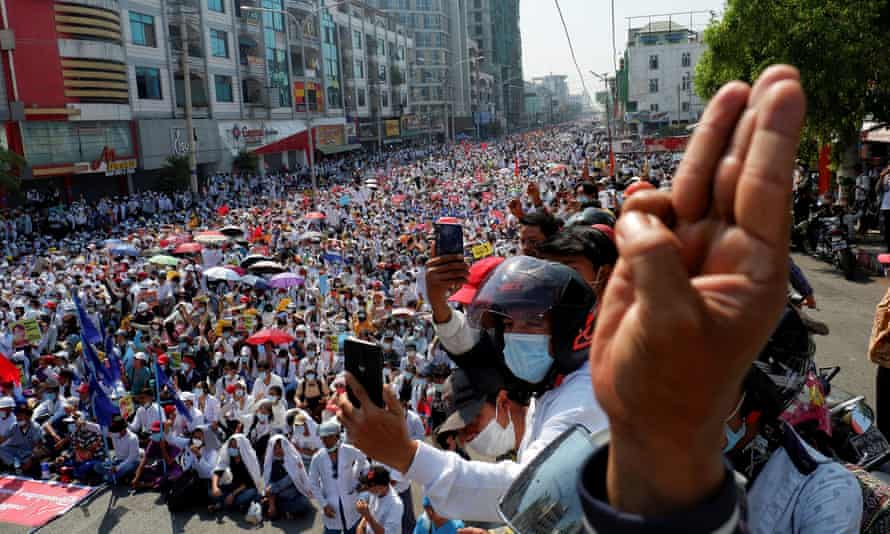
column 494, row 24
column 658, row 71
column 557, row 87
column 91, row 89
column 375, row 60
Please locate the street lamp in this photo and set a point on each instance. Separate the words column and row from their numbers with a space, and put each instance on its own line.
column 297, row 22
column 605, row 79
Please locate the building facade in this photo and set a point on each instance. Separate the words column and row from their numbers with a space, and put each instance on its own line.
column 658, row 69
column 494, row 24
column 93, row 91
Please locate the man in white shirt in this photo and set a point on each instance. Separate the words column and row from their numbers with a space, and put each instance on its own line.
column 146, row 414
column 7, row 420
column 383, row 511
column 265, row 380
column 126, row 453
column 334, row 475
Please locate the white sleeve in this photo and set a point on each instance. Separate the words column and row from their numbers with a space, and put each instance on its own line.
column 315, row 481
column 392, row 519
column 458, row 488
column 133, row 452
column 456, row 335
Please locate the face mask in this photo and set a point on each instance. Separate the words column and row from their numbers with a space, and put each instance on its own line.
column 185, row 368
column 262, row 417
column 528, row 356
column 334, row 447
column 197, row 392
column 197, row 443
column 387, row 346
column 408, row 376
column 410, row 353
column 234, row 453
column 494, row 440
column 274, row 398
column 23, row 423
column 583, row 199
column 239, row 393
column 156, row 437
column 310, row 376
column 49, row 396
column 71, row 428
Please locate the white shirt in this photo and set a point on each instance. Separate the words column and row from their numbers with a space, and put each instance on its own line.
column 456, row 335
column 387, row 511
column 6, row 425
column 126, row 449
column 210, row 408
column 261, row 390
column 145, row 417
column 328, row 491
column 471, row 490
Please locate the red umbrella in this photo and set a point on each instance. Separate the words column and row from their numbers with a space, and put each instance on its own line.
column 315, row 216
column 188, row 248
column 270, row 335
column 448, row 220
column 398, row 199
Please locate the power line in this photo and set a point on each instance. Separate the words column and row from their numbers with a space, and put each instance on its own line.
column 572, row 49
column 614, row 50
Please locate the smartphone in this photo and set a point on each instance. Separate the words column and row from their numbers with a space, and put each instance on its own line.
column 449, row 239
column 365, row 361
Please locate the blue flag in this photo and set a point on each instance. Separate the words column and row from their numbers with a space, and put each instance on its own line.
column 164, row 381
column 103, row 408
column 98, row 369
column 88, row 331
column 332, row 257
column 113, row 362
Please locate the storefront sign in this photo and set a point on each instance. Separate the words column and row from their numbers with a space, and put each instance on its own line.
column 329, row 135
column 246, row 135
column 392, row 127
column 179, row 141
column 107, row 163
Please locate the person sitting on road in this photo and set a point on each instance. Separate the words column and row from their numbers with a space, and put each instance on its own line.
column 286, row 480
column 126, row 453
column 159, row 462
column 237, row 480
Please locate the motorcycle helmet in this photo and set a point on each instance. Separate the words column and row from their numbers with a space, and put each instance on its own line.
column 527, row 288
column 779, row 373
column 591, row 216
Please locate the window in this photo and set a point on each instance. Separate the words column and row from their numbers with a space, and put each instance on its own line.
column 216, row 5
column 684, row 107
column 381, row 47
column 357, row 39
column 653, row 62
column 686, row 82
column 381, row 73
column 477, row 17
column 477, row 4
column 653, row 107
column 478, row 30
column 384, row 98
column 423, row 5
column 219, row 43
column 401, row 53
column 653, row 85
column 328, row 35
column 142, row 29
column 148, row 83
column 223, row 85
column 686, row 59
column 361, row 98
column 359, row 69
column 251, row 92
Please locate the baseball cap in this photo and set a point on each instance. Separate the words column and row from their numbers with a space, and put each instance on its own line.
column 479, row 271
column 464, row 401
column 329, row 428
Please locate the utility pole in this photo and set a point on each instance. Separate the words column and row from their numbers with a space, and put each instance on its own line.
column 187, row 89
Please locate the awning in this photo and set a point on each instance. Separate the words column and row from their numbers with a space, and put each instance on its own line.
column 327, row 150
column 872, row 132
column 392, row 141
column 297, row 141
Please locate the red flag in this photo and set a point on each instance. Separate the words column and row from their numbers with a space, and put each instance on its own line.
column 484, row 146
column 516, row 168
column 222, row 210
column 611, row 162
column 8, row 371
column 824, row 171
column 479, row 175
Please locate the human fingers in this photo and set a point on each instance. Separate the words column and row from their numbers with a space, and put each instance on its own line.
column 731, row 164
column 657, row 203
column 763, row 195
column 437, row 261
column 694, row 180
column 392, row 402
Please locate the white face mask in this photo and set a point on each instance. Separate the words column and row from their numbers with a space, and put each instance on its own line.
column 494, row 440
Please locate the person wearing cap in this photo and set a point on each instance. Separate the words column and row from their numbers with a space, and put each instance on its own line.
column 382, row 513
column 146, row 415
column 236, row 408
column 207, row 403
column 7, row 420
column 22, row 442
column 334, row 477
column 51, row 406
column 138, row 376
column 126, row 453
column 430, row 522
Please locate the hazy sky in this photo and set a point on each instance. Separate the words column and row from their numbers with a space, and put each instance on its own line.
column 545, row 49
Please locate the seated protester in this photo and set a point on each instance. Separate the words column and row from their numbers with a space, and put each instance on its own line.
column 382, row 513
column 311, row 394
column 430, row 522
column 202, row 454
column 146, row 415
column 188, row 376
column 126, row 453
column 181, row 425
column 236, row 408
column 56, row 433
column 791, row 487
column 229, row 377
column 279, row 407
column 207, row 404
column 85, row 451
column 304, row 435
column 7, row 420
column 18, row 450
column 264, row 381
column 311, row 363
column 236, row 481
column 199, row 459
column 285, row 479
column 152, row 472
column 138, row 377
column 83, row 398
column 258, row 427
column 50, row 405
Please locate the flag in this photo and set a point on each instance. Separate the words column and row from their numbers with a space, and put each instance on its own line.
column 88, row 331
column 98, row 368
column 114, row 364
column 164, row 381
column 332, row 257
column 611, row 162
column 516, row 168
column 8, row 371
column 585, row 173
column 103, row 408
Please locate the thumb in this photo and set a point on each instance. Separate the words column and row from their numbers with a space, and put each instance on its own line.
column 652, row 254
column 392, row 403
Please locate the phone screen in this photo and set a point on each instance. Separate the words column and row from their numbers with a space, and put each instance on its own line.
column 365, row 361
column 449, row 239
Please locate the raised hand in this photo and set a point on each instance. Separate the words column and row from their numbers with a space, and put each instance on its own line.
column 698, row 288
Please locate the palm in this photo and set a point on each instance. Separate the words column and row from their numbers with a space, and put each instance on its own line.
column 690, row 306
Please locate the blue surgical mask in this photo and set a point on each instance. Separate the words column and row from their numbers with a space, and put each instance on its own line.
column 49, row 396
column 582, row 199
column 408, row 376
column 157, row 436
column 733, row 436
column 528, row 356
column 234, row 453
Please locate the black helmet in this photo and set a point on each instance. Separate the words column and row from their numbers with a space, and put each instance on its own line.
column 591, row 216
column 524, row 287
column 779, row 373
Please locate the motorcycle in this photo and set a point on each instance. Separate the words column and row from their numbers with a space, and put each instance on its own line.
column 827, row 238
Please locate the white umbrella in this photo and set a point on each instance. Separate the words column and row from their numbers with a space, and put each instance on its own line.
column 221, row 273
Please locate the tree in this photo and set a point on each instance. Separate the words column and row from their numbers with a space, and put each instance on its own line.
column 246, row 161
column 11, row 166
column 175, row 174
column 837, row 45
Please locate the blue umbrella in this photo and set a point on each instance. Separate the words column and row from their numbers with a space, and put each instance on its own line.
column 125, row 250
column 113, row 242
column 255, row 281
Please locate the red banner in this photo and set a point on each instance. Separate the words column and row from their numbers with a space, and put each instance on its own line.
column 32, row 503
column 824, row 169
column 666, row 144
